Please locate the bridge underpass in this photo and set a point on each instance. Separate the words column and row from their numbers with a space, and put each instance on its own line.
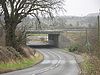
column 51, row 37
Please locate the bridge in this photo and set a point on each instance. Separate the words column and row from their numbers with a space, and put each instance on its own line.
column 56, row 37
column 53, row 35
column 44, row 31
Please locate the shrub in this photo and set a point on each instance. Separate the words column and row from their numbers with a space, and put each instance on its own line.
column 73, row 48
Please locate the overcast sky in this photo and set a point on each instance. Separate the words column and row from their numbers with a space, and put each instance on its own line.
column 82, row 7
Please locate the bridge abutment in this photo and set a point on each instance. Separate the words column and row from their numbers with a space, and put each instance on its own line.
column 53, row 39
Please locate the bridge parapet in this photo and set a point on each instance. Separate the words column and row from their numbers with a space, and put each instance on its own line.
column 44, row 31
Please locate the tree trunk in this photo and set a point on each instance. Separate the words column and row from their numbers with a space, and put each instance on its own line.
column 10, row 36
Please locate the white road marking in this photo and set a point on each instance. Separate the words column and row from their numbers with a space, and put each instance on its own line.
column 72, row 62
column 46, row 62
column 53, row 62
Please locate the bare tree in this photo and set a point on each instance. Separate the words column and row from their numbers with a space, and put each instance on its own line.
column 16, row 10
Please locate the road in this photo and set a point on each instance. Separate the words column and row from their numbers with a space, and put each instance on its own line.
column 55, row 62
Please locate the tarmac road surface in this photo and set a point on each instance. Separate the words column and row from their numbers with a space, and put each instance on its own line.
column 55, row 62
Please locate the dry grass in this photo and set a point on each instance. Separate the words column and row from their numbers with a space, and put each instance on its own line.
column 7, row 54
column 11, row 60
column 21, row 64
column 75, row 36
column 91, row 65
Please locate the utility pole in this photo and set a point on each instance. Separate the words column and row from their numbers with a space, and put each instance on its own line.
column 86, row 35
column 98, row 18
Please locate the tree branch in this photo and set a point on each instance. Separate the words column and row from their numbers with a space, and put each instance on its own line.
column 6, row 13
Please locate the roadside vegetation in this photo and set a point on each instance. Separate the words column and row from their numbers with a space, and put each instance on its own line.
column 87, row 45
column 20, row 64
column 11, row 60
column 91, row 65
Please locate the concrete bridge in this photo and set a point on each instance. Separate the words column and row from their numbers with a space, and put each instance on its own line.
column 44, row 31
column 54, row 36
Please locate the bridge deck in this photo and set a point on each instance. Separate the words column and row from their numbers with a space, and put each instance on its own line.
column 44, row 31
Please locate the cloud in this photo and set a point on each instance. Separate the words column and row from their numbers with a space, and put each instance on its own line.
column 82, row 7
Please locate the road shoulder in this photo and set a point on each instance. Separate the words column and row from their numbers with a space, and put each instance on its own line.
column 77, row 57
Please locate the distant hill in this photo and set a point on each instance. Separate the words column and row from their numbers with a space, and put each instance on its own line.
column 60, row 22
column 93, row 15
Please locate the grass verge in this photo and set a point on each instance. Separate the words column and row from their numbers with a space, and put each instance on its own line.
column 21, row 64
column 90, row 66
